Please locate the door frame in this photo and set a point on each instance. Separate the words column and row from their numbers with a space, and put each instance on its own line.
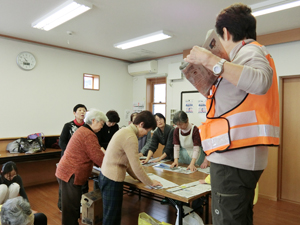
column 280, row 148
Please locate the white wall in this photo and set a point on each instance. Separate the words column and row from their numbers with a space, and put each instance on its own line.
column 286, row 57
column 174, row 88
column 42, row 100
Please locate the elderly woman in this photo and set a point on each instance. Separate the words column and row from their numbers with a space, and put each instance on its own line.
column 17, row 211
column 187, row 143
column 121, row 157
column 162, row 135
column 11, row 184
column 74, row 168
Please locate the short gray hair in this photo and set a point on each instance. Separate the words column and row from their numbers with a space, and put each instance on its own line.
column 180, row 117
column 95, row 114
column 15, row 211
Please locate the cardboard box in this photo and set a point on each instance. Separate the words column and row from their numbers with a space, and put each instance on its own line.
column 92, row 211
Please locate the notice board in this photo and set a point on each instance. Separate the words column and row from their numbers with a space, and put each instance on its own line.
column 194, row 104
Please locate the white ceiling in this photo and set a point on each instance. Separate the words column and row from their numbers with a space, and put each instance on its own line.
column 113, row 21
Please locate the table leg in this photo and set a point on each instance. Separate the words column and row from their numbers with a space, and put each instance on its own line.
column 180, row 210
column 207, row 208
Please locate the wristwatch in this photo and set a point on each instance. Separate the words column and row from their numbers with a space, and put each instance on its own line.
column 218, row 68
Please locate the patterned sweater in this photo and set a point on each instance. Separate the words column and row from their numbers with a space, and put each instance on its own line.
column 66, row 134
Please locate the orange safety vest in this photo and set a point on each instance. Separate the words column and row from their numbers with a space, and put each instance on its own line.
column 253, row 122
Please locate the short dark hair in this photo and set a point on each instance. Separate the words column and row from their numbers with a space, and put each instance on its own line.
column 147, row 118
column 238, row 20
column 113, row 116
column 160, row 116
column 79, row 106
column 180, row 117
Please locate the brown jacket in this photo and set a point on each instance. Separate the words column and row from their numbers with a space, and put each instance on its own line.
column 83, row 150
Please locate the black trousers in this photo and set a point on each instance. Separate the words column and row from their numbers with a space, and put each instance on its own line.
column 84, row 189
column 40, row 219
column 232, row 192
column 70, row 201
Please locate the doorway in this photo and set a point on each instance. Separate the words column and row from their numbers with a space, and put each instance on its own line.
column 289, row 157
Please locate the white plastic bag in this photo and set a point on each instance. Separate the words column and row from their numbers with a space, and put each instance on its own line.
column 191, row 219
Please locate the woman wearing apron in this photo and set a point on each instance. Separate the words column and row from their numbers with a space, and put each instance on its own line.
column 187, row 143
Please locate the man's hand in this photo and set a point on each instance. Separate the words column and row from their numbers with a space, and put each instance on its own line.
column 198, row 55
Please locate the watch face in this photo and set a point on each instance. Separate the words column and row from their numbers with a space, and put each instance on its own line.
column 217, row 69
column 26, row 61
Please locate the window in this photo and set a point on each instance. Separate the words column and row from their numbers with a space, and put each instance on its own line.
column 91, row 82
column 156, row 95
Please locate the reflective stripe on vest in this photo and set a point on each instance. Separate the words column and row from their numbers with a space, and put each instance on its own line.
column 248, row 124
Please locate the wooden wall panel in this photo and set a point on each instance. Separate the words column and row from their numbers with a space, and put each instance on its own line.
column 37, row 172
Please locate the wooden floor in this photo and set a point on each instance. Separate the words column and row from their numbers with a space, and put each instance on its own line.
column 43, row 198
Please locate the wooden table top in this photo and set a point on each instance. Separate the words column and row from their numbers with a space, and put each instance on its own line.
column 177, row 178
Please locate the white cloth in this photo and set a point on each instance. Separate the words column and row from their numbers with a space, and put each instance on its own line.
column 8, row 192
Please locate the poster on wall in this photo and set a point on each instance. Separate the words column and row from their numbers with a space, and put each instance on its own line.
column 201, row 106
column 189, row 106
column 199, row 103
column 138, row 107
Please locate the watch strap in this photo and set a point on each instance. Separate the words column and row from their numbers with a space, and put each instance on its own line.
column 220, row 64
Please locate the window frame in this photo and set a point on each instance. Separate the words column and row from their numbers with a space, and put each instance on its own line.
column 94, row 78
column 150, row 92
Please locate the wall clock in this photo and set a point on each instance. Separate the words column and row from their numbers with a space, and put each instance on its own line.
column 26, row 61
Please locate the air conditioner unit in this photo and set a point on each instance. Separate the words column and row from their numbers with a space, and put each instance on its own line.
column 142, row 68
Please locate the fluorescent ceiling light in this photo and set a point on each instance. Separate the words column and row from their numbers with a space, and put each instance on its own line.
column 273, row 6
column 61, row 14
column 149, row 38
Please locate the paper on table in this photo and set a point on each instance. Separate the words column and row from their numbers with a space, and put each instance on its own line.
column 190, row 189
column 164, row 182
column 178, row 169
column 151, row 163
column 206, row 170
